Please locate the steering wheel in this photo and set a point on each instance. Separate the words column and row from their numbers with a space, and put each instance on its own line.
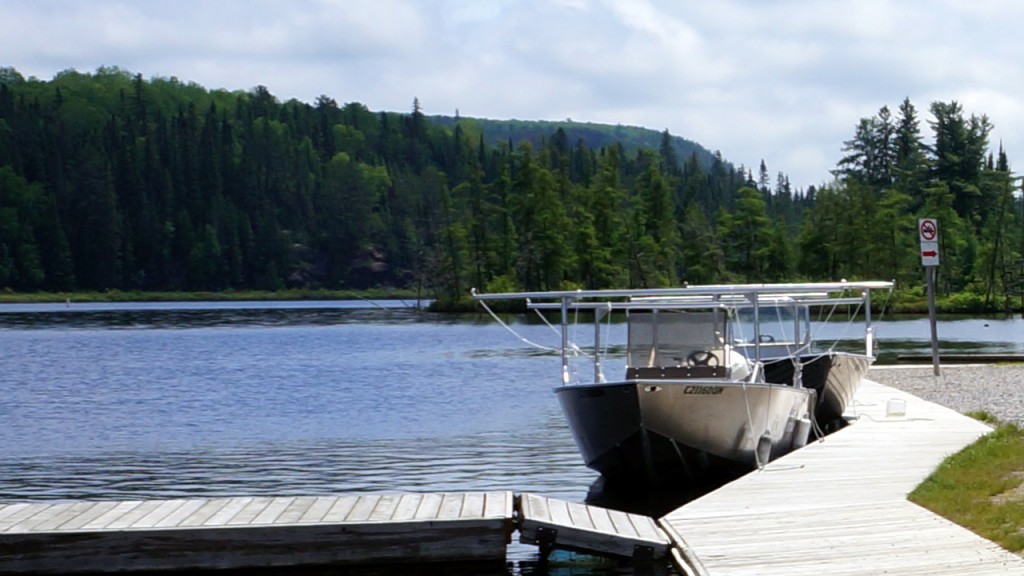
column 702, row 358
column 767, row 338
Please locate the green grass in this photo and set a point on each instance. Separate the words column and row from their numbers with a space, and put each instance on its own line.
column 980, row 487
column 8, row 297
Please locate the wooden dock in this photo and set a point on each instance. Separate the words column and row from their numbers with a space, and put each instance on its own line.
column 839, row 507
column 551, row 523
column 231, row 533
column 347, row 530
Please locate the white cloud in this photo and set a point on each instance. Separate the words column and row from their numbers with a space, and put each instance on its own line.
column 785, row 81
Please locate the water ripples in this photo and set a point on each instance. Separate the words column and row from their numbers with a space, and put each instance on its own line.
column 478, row 462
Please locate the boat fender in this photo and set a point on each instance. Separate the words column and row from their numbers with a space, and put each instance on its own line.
column 764, row 449
column 802, row 433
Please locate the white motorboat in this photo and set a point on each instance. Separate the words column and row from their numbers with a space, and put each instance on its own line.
column 720, row 378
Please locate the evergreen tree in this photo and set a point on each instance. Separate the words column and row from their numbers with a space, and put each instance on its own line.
column 747, row 237
column 702, row 255
column 543, row 256
column 608, row 205
column 958, row 158
column 657, row 231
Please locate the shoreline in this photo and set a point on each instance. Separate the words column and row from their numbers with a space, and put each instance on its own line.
column 948, row 306
column 201, row 296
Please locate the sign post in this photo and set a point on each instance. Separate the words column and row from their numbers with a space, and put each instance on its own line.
column 928, row 230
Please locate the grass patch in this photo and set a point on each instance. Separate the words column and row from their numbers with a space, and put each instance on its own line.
column 984, row 416
column 982, row 487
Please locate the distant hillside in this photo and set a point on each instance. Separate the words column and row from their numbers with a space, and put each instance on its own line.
column 593, row 135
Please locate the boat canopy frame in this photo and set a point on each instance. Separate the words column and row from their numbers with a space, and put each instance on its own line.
column 690, row 297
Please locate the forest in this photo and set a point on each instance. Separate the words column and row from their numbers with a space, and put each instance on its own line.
column 112, row 182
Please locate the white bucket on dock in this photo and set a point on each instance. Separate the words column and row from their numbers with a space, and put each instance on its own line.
column 895, row 407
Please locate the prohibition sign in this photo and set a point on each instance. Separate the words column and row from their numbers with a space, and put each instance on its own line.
column 928, row 230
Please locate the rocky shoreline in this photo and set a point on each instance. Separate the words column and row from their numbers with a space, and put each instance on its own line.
column 996, row 389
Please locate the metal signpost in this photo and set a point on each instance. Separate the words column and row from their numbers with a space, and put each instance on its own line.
column 928, row 230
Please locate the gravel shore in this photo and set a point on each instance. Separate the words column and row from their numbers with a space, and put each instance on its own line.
column 998, row 390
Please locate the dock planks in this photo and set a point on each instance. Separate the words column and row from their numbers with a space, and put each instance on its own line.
column 227, row 533
column 552, row 523
column 839, row 507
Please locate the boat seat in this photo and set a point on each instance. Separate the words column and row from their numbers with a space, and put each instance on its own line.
column 674, row 372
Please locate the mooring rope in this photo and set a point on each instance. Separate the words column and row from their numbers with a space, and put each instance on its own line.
column 548, row 324
column 576, row 350
column 750, row 419
column 513, row 332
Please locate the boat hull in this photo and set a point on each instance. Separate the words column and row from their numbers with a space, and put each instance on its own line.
column 834, row 376
column 655, row 430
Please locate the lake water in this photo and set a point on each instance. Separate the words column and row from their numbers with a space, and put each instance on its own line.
column 119, row 401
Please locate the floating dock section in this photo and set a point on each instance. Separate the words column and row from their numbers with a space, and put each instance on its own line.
column 550, row 523
column 231, row 533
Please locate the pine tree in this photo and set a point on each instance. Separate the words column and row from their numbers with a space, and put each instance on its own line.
column 747, row 236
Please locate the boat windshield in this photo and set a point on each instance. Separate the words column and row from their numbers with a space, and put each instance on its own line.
column 665, row 338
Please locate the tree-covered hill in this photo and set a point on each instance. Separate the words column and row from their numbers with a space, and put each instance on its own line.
column 595, row 136
column 112, row 181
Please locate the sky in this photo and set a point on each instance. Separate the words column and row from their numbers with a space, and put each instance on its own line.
column 779, row 81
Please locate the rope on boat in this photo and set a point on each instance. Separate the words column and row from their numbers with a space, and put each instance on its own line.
column 752, row 377
column 792, row 353
column 819, row 434
column 888, row 296
column 576, row 350
column 811, row 359
column 750, row 425
column 572, row 342
column 548, row 324
column 816, row 427
column 513, row 332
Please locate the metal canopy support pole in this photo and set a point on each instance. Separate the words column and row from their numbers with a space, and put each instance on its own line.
column 869, row 333
column 798, row 367
column 653, row 357
column 565, row 340
column 598, row 371
column 797, row 336
column 930, row 273
column 757, row 327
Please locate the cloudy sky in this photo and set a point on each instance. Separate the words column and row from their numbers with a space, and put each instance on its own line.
column 785, row 81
